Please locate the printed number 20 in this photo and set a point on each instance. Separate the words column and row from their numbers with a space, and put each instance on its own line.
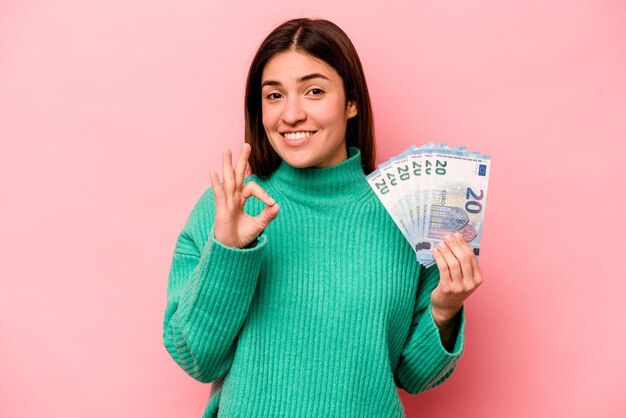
column 473, row 206
column 382, row 187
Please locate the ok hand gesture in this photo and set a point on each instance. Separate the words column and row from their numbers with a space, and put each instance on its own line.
column 233, row 227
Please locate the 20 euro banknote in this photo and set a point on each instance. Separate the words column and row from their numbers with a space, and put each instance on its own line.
column 432, row 191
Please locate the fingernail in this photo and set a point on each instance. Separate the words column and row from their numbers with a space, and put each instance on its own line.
column 272, row 201
column 441, row 245
column 448, row 238
column 458, row 236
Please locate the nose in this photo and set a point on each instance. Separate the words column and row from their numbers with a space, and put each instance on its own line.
column 293, row 111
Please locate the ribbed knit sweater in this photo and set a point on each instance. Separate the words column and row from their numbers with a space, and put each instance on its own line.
column 324, row 315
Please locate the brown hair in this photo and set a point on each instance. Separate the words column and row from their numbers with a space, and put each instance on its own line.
column 324, row 40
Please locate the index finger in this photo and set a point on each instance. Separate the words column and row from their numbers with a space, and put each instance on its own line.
column 253, row 189
column 242, row 164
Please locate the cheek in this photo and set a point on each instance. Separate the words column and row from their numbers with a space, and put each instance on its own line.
column 267, row 117
column 332, row 114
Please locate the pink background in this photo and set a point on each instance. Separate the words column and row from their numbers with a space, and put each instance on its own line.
column 113, row 113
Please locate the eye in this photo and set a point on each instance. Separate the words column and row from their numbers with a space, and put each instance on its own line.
column 273, row 96
column 316, row 92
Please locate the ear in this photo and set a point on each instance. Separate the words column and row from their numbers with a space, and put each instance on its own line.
column 351, row 110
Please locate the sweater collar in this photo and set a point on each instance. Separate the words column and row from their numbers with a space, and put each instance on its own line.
column 343, row 180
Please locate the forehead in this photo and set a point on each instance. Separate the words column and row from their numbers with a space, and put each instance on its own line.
column 291, row 65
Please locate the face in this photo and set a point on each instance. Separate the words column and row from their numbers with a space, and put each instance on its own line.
column 304, row 110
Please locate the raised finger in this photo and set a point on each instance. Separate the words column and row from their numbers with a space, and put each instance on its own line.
column 229, row 175
column 218, row 190
column 251, row 188
column 242, row 164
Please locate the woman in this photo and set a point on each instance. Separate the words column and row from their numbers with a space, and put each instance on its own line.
column 310, row 302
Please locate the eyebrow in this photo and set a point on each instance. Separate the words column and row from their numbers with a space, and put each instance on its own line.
column 299, row 80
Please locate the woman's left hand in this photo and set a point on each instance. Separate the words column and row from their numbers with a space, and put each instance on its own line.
column 459, row 276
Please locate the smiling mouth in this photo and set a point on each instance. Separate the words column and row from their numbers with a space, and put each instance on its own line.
column 295, row 136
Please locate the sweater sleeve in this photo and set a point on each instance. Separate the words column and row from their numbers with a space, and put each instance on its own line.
column 210, row 289
column 424, row 362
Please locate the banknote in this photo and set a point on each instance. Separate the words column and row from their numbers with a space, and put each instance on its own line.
column 378, row 183
column 401, row 172
column 434, row 190
column 401, row 208
column 457, row 199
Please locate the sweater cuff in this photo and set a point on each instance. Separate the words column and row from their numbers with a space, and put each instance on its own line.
column 255, row 243
column 227, row 277
column 426, row 361
column 431, row 331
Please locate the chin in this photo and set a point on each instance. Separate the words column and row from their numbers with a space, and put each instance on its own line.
column 298, row 162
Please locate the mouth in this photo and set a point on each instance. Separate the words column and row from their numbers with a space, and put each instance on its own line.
column 293, row 136
column 297, row 138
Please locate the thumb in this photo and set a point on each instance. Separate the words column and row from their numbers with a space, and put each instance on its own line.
column 267, row 215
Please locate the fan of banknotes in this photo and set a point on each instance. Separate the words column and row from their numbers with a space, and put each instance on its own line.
column 432, row 191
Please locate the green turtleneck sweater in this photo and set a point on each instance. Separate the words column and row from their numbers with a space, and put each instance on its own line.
column 322, row 316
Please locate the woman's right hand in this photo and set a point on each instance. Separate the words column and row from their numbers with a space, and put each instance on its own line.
column 234, row 227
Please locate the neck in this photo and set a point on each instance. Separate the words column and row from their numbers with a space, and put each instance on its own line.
column 345, row 180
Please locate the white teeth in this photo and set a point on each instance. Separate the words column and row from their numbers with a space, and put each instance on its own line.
column 297, row 135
